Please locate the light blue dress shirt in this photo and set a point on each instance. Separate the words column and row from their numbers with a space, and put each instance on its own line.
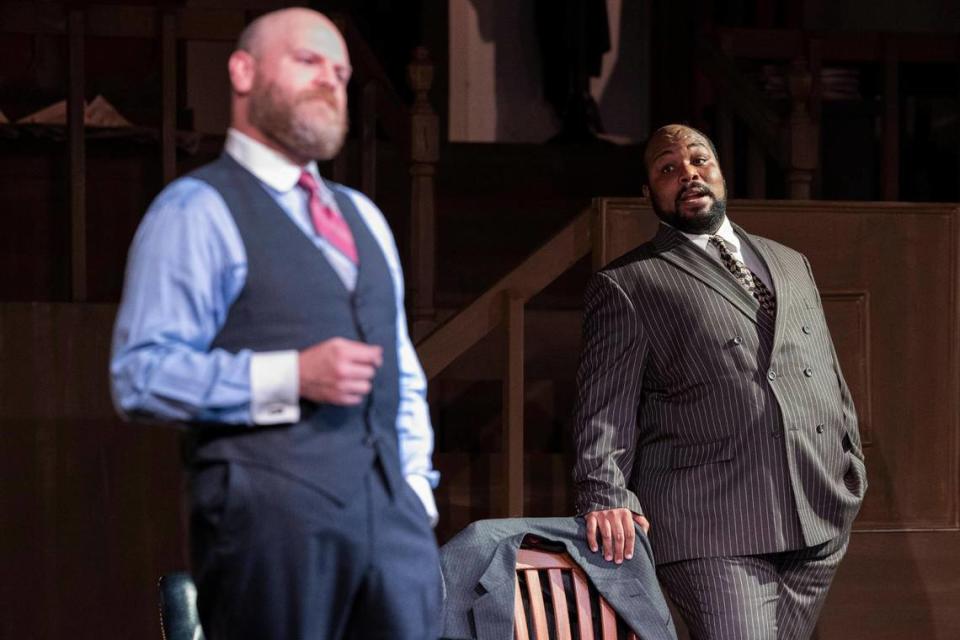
column 187, row 265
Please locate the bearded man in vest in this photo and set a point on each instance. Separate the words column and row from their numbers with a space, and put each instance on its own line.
column 263, row 310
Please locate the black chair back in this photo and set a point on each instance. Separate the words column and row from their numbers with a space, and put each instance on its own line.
column 179, row 619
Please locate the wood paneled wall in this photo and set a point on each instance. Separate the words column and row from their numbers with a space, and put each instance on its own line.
column 91, row 505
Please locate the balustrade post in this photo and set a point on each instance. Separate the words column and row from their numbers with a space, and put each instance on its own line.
column 368, row 140
column 890, row 161
column 513, row 400
column 76, row 140
column 168, row 84
column 804, row 133
column 424, row 153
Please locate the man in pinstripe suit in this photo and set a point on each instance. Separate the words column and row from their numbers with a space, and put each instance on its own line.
column 712, row 413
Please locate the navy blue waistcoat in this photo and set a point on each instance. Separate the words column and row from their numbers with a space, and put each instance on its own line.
column 292, row 299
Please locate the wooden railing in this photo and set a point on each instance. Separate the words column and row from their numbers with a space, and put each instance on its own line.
column 793, row 139
column 503, row 305
column 414, row 128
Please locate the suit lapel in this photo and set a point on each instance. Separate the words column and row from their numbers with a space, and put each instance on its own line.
column 676, row 249
column 781, row 284
column 493, row 611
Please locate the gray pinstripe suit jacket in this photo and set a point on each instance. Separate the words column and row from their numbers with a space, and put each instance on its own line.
column 733, row 434
column 479, row 565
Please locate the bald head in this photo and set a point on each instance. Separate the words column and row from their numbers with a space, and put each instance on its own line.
column 289, row 75
column 262, row 32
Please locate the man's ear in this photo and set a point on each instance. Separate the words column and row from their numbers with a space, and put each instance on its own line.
column 645, row 190
column 242, row 68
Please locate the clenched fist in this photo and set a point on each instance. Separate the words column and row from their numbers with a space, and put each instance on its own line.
column 338, row 371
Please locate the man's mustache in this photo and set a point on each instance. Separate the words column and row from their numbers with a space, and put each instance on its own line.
column 325, row 96
column 697, row 190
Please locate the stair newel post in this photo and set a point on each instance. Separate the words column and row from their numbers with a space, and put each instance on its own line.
column 513, row 400
column 804, row 133
column 424, row 153
column 76, row 142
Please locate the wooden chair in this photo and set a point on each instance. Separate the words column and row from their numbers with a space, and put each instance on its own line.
column 530, row 562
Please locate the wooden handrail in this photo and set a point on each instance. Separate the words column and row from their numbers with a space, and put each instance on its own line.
column 504, row 304
column 451, row 339
column 837, row 46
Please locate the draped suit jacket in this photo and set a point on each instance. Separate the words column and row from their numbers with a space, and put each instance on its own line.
column 479, row 569
column 733, row 433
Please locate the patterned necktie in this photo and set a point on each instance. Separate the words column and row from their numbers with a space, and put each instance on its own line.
column 326, row 222
column 748, row 279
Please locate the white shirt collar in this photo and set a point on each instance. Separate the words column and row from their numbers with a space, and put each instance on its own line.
column 269, row 166
column 725, row 231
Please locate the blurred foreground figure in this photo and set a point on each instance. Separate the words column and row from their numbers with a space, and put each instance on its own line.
column 263, row 308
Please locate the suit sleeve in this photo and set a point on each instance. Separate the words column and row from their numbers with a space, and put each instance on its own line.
column 609, row 382
column 849, row 411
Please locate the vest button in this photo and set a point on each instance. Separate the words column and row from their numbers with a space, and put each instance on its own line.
column 819, row 428
column 737, row 340
column 771, row 375
column 806, row 329
column 808, row 372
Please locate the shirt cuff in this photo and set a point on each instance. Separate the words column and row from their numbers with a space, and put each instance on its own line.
column 274, row 387
column 421, row 487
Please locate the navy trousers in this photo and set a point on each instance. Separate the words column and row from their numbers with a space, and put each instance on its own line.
column 275, row 558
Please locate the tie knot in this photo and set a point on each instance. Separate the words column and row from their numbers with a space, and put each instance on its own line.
column 719, row 243
column 308, row 182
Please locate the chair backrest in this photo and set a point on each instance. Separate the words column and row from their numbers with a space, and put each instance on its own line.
column 179, row 619
column 534, row 563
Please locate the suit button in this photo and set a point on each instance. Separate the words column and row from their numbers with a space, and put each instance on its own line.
column 771, row 375
column 808, row 372
column 737, row 340
column 819, row 428
column 805, row 329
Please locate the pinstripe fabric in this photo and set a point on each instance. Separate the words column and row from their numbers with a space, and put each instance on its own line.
column 734, row 433
column 777, row 595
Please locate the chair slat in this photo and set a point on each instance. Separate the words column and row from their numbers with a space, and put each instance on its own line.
column 537, row 608
column 520, row 631
column 581, row 594
column 536, row 559
column 559, row 598
column 608, row 621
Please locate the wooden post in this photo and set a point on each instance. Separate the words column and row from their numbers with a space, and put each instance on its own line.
column 725, row 129
column 424, row 153
column 804, row 133
column 513, row 400
column 890, row 176
column 368, row 140
column 725, row 126
column 756, row 170
column 76, row 106
column 168, row 113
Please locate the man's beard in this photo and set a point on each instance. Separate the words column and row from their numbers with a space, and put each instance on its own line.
column 707, row 221
column 303, row 137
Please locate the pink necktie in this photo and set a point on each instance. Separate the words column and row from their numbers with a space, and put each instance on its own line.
column 326, row 222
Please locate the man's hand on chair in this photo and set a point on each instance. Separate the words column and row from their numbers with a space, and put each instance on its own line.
column 614, row 528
